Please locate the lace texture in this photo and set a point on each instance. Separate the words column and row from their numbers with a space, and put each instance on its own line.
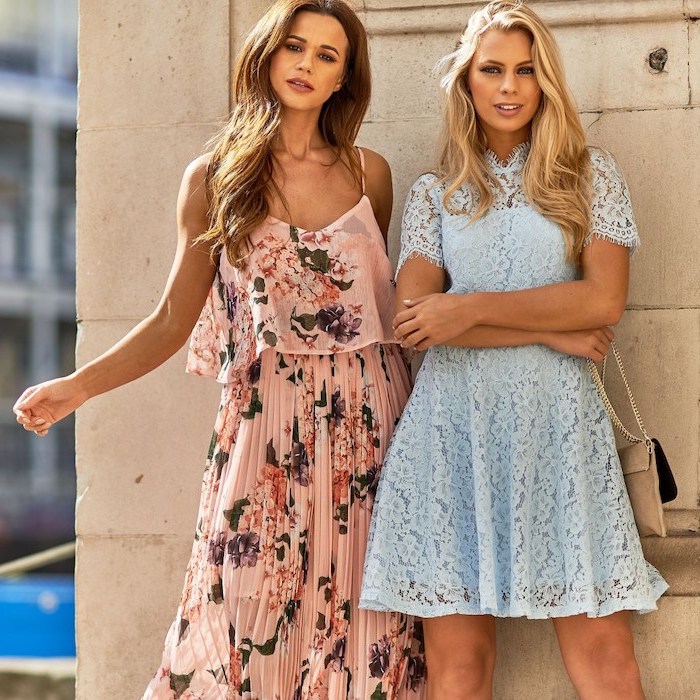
column 501, row 492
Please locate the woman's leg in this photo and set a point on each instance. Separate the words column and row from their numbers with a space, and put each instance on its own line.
column 460, row 654
column 598, row 654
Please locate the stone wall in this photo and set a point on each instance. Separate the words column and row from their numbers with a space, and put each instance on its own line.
column 153, row 87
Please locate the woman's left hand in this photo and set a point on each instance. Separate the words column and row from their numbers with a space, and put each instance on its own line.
column 432, row 320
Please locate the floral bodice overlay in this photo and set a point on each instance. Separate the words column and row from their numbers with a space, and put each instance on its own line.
column 311, row 292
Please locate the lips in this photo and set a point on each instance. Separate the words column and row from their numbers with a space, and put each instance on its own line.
column 300, row 85
column 507, row 109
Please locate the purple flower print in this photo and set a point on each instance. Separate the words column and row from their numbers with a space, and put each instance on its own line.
column 337, row 407
column 300, row 463
column 379, row 657
column 254, row 372
column 338, row 655
column 338, row 322
column 231, row 300
column 217, row 547
column 415, row 673
column 244, row 549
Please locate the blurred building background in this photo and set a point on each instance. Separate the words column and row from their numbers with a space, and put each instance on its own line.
column 38, row 86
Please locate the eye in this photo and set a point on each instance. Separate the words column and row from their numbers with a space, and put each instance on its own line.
column 526, row 70
column 493, row 70
column 293, row 47
column 327, row 57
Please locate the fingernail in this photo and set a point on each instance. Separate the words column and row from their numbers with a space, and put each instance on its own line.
column 39, row 421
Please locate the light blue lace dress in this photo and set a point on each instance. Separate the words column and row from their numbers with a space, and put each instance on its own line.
column 501, row 492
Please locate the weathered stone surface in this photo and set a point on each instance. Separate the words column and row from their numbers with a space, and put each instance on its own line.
column 417, row 92
column 153, row 63
column 658, row 151
column 128, row 180
column 677, row 557
column 127, row 591
column 607, row 65
column 694, row 59
column 142, row 447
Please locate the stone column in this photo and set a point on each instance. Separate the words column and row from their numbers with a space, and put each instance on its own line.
column 154, row 85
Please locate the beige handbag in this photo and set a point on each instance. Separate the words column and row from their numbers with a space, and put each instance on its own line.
column 647, row 474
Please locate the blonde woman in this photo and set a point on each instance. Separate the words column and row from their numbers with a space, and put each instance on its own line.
column 281, row 242
column 501, row 494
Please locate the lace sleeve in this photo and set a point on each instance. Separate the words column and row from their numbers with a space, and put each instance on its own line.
column 611, row 208
column 421, row 227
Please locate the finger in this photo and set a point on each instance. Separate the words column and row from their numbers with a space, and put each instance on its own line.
column 406, row 328
column 412, row 339
column 413, row 302
column 27, row 399
column 609, row 333
column 403, row 316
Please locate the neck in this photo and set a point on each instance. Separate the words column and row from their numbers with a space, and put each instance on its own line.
column 299, row 134
column 502, row 144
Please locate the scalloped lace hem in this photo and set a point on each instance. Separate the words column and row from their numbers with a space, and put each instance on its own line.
column 381, row 601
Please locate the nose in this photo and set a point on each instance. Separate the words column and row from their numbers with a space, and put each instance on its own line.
column 305, row 63
column 509, row 84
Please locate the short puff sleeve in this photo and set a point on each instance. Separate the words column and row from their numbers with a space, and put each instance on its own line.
column 611, row 209
column 421, row 226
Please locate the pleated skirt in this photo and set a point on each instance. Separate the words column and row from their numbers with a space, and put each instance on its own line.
column 269, row 609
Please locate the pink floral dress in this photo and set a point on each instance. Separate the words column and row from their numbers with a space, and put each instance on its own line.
column 313, row 385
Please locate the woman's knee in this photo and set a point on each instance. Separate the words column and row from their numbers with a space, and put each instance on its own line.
column 464, row 673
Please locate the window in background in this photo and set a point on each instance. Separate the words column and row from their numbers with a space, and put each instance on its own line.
column 14, row 196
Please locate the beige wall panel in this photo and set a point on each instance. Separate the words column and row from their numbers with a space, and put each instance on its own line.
column 529, row 666
column 143, row 446
column 159, row 62
column 409, row 147
column 660, row 353
column 127, row 595
column 606, row 65
column 694, row 61
column 404, row 84
column 659, row 152
column 244, row 15
column 128, row 180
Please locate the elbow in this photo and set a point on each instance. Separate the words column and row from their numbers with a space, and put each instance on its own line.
column 611, row 312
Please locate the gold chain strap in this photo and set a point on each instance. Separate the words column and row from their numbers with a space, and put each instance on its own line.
column 608, row 406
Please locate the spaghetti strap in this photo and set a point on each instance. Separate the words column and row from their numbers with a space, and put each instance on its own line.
column 362, row 166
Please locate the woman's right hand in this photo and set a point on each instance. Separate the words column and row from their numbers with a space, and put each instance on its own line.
column 40, row 406
column 593, row 344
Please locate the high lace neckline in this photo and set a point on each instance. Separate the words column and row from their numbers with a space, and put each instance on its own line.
column 515, row 159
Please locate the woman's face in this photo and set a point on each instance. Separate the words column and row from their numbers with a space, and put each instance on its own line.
column 503, row 85
column 309, row 66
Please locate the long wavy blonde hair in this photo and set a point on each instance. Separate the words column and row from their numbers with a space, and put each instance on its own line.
column 557, row 174
column 240, row 174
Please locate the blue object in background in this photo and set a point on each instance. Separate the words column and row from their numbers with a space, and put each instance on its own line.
column 37, row 616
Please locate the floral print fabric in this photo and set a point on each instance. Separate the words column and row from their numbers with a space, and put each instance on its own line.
column 501, row 491
column 270, row 603
column 313, row 292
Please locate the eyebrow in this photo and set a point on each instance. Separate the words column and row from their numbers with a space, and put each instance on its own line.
column 498, row 63
column 323, row 46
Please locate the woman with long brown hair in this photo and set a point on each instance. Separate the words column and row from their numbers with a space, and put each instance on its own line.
column 501, row 493
column 282, row 249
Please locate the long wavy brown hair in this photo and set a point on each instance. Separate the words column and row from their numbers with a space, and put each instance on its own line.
column 240, row 174
column 557, row 174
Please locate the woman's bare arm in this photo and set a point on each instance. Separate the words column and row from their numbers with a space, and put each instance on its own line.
column 596, row 301
column 154, row 339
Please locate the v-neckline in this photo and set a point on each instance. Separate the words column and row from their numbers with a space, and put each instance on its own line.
column 327, row 226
